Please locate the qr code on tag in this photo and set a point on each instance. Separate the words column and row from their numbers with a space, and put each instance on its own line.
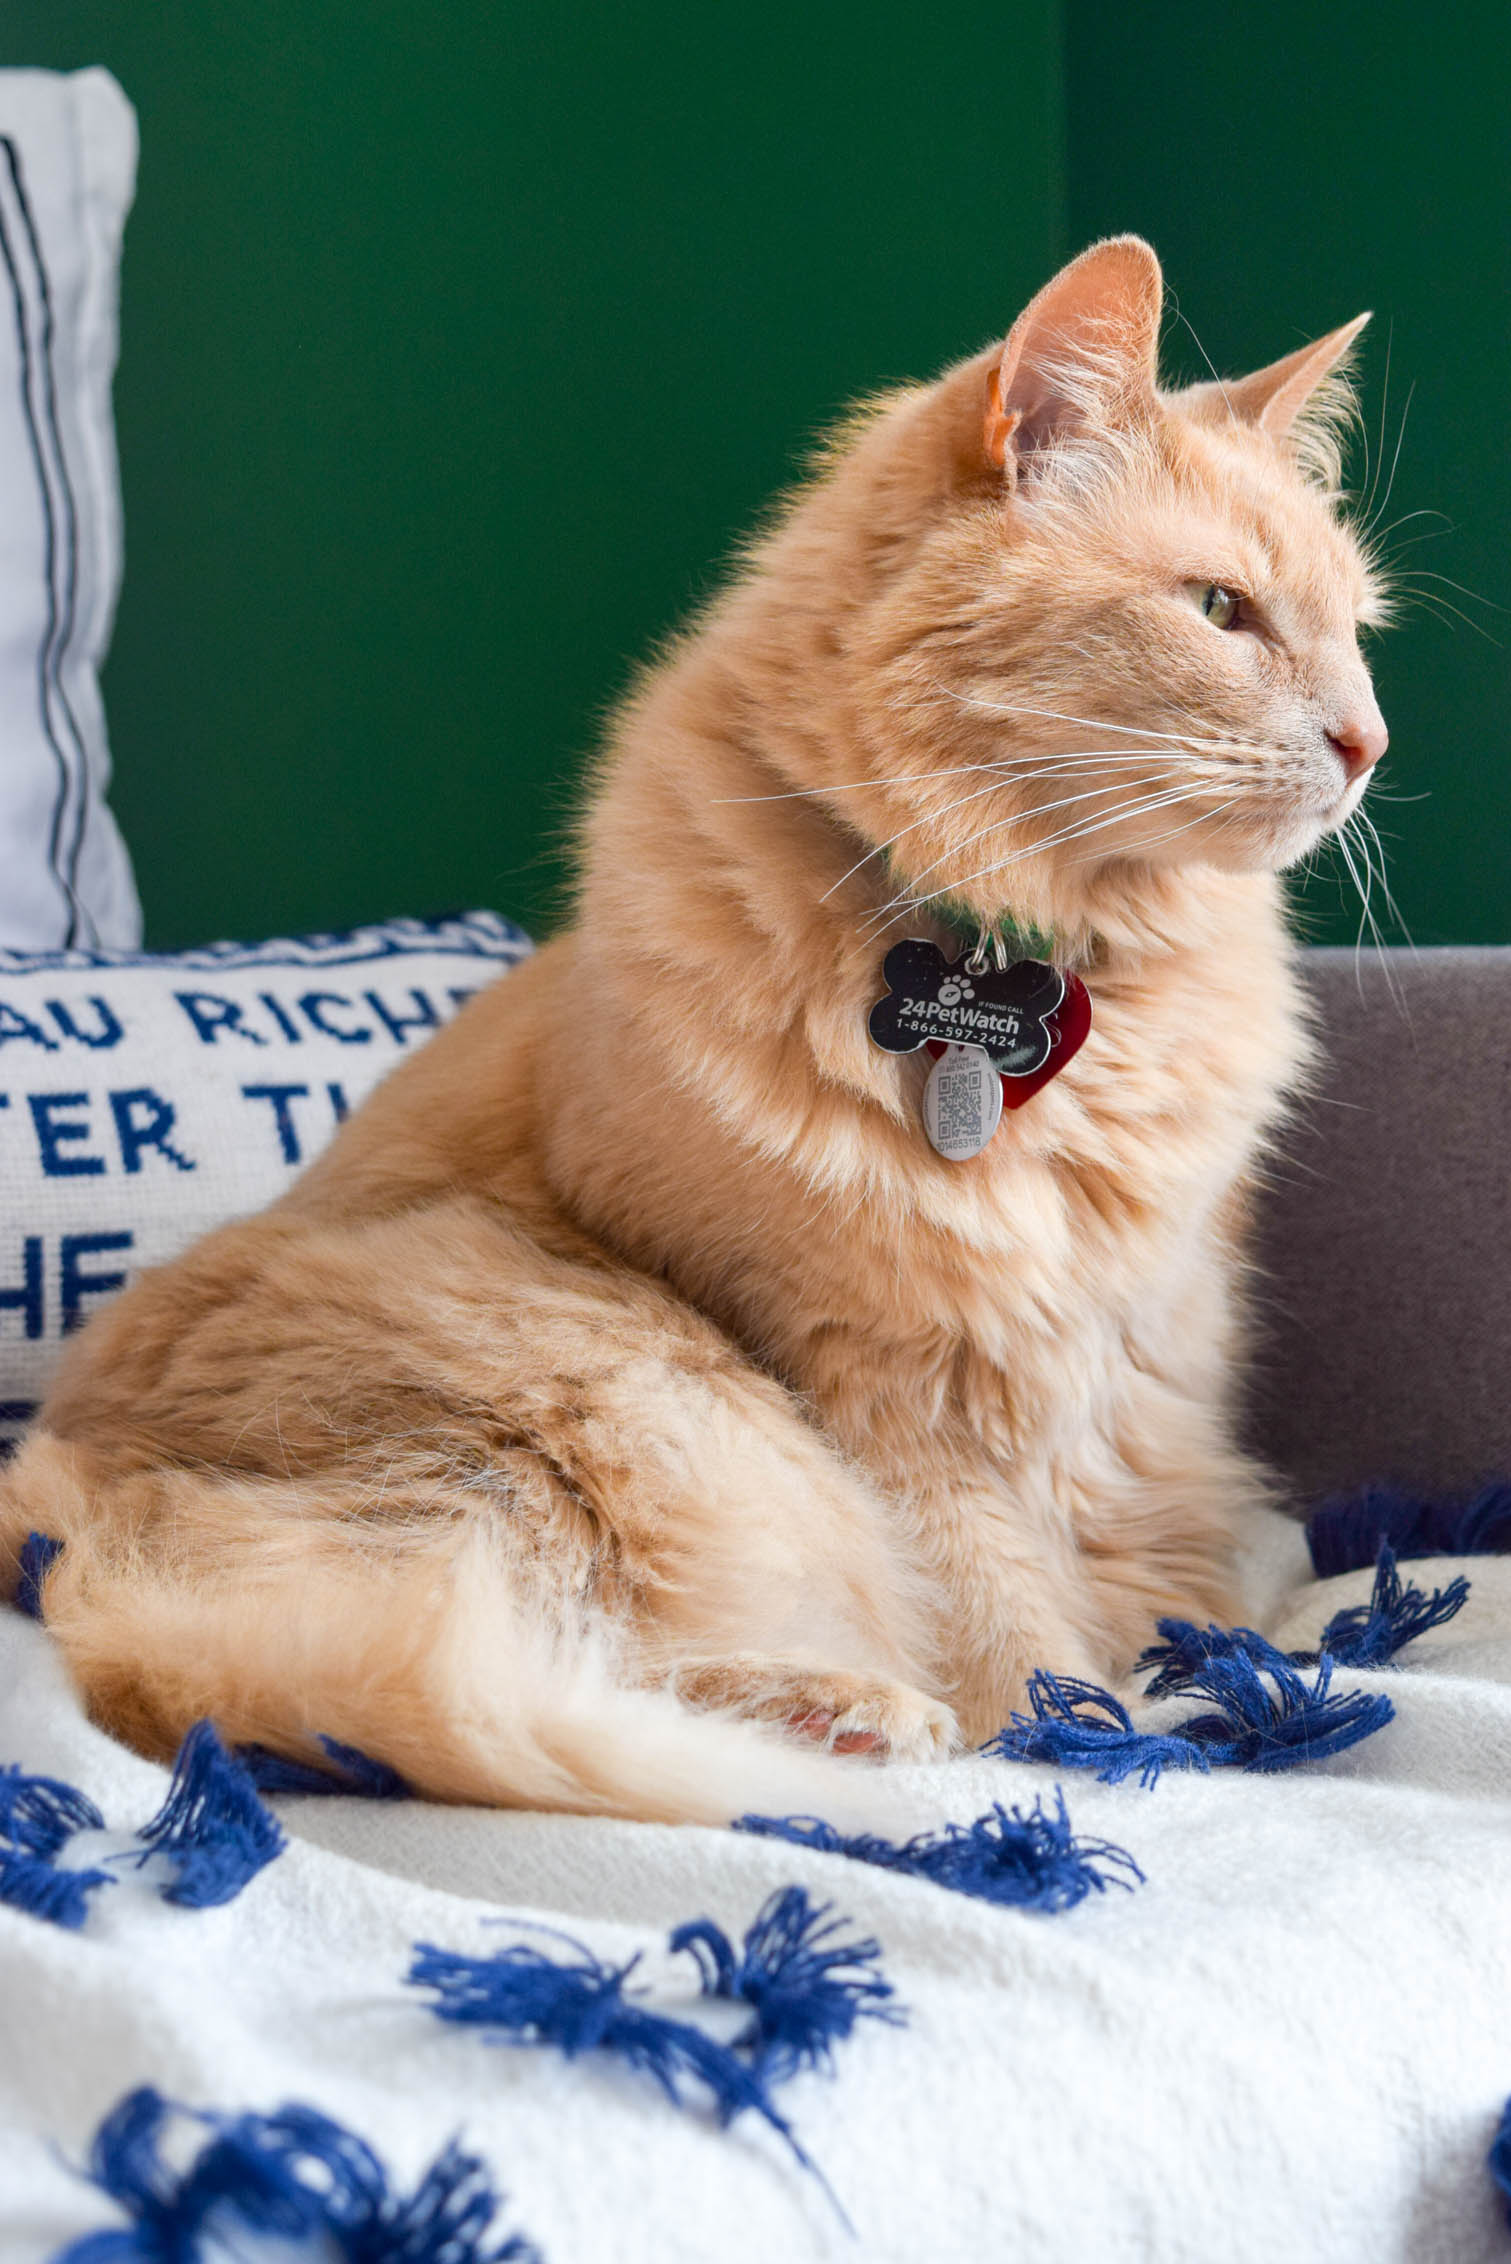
column 959, row 1104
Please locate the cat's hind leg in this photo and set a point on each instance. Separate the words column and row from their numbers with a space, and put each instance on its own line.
column 484, row 1529
column 764, row 1574
column 286, row 1614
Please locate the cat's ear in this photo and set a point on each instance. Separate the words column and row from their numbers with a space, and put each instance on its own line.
column 1274, row 398
column 1080, row 357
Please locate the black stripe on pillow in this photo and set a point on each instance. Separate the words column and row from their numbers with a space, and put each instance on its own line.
column 46, row 657
column 70, row 533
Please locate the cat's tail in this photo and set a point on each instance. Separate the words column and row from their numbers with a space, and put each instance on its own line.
column 176, row 1597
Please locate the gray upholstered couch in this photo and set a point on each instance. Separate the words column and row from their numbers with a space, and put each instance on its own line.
column 1385, row 1346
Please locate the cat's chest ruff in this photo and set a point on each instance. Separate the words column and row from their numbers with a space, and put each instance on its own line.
column 1174, row 1070
column 1103, row 1184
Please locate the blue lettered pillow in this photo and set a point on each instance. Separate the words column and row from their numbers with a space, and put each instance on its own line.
column 146, row 1097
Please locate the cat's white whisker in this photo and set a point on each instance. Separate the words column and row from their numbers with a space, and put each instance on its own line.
column 1367, row 823
column 1434, row 534
column 1395, row 459
column 1181, row 316
column 1014, row 817
column 930, row 817
column 1196, row 741
column 1172, row 831
column 1366, row 912
column 1047, row 715
column 1367, row 893
column 1390, row 339
column 849, row 786
column 902, row 908
column 907, row 897
column 1431, row 599
column 937, row 817
column 1426, row 574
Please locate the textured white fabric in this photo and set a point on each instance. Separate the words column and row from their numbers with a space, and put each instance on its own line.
column 1291, row 2043
column 147, row 1098
column 67, row 176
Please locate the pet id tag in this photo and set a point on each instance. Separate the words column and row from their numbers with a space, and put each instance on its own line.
column 962, row 1103
column 1022, row 1023
column 1003, row 1010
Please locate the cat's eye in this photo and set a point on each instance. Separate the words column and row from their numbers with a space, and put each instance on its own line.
column 1220, row 605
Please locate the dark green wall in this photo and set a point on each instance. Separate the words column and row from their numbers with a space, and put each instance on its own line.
column 454, row 358
column 1295, row 164
column 457, row 345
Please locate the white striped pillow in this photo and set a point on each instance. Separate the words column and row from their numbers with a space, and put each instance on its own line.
column 67, row 173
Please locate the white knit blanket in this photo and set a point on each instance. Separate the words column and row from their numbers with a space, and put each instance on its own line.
column 1292, row 2042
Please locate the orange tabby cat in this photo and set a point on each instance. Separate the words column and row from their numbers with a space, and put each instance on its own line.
column 632, row 1363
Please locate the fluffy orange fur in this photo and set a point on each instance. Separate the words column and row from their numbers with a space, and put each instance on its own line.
column 630, row 1384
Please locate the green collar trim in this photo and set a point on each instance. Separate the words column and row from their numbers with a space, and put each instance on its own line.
column 1019, row 938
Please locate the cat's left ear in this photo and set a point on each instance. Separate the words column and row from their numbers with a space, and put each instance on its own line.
column 1273, row 398
column 1080, row 357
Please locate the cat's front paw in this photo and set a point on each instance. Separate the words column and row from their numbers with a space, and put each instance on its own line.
column 843, row 1710
column 889, row 1720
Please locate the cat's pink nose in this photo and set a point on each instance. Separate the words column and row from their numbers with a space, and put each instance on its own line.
column 1360, row 739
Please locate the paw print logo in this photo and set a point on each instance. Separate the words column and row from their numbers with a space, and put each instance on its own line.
column 952, row 992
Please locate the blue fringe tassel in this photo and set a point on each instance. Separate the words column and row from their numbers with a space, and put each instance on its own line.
column 38, row 1552
column 351, row 1771
column 37, row 1815
column 1186, row 1649
column 1345, row 1533
column 1365, row 1635
column 212, row 1824
column 1075, row 1725
column 1498, row 2160
column 1257, row 1727
column 525, row 1997
column 1370, row 1635
column 1024, row 1862
column 290, row 2177
column 1265, row 1728
column 805, row 1989
column 34, row 1884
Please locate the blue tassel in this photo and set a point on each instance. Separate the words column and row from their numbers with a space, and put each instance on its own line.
column 1075, row 1725
column 805, row 1989
column 1186, row 1649
column 352, row 1772
column 1024, row 1862
column 212, row 1824
column 37, row 1886
column 1267, row 1729
column 525, row 1997
column 37, row 1815
column 291, row 2177
column 1345, row 1533
column 1078, row 1726
column 1498, row 2161
column 1369, row 1635
column 1366, row 1635
column 38, row 1552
